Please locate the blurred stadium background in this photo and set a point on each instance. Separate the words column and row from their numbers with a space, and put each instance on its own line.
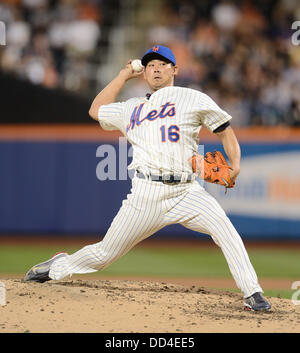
column 60, row 53
column 239, row 52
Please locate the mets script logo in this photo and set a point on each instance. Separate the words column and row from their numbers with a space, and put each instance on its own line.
column 155, row 48
column 166, row 110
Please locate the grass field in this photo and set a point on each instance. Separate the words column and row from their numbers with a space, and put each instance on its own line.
column 167, row 263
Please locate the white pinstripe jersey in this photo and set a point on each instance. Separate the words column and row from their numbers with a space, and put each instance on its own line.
column 163, row 129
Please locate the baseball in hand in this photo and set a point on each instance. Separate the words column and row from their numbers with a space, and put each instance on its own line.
column 137, row 65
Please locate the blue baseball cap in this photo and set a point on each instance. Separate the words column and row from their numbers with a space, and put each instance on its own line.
column 158, row 52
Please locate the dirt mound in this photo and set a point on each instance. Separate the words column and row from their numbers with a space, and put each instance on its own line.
column 135, row 306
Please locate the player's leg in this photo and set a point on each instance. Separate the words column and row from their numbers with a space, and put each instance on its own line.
column 138, row 218
column 119, row 239
column 205, row 215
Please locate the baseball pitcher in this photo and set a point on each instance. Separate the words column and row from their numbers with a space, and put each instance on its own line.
column 163, row 129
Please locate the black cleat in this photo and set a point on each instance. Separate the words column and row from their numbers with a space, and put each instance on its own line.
column 256, row 302
column 40, row 273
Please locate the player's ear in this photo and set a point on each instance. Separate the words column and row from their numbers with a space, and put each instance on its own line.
column 144, row 73
column 176, row 70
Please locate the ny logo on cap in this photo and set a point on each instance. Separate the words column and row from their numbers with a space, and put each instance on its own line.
column 155, row 48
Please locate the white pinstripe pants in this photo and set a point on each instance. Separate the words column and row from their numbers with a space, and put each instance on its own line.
column 150, row 206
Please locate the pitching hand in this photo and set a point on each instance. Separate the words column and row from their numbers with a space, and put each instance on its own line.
column 128, row 72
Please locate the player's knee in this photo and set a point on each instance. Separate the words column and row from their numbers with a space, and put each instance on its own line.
column 221, row 222
column 221, row 217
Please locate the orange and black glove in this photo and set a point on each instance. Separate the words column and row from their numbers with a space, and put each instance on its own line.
column 213, row 168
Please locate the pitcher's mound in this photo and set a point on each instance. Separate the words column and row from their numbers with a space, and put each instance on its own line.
column 135, row 306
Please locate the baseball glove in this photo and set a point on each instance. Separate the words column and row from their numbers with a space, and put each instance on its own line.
column 213, row 168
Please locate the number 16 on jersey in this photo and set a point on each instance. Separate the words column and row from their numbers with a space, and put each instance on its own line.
column 171, row 133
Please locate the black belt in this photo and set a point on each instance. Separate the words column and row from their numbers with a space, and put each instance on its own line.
column 165, row 179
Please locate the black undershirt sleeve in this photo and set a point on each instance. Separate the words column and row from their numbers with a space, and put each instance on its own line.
column 222, row 127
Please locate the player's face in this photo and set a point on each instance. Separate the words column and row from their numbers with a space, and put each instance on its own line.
column 159, row 74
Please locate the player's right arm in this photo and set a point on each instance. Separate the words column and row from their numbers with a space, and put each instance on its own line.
column 232, row 150
column 109, row 94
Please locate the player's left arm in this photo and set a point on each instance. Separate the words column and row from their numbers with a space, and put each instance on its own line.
column 231, row 148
